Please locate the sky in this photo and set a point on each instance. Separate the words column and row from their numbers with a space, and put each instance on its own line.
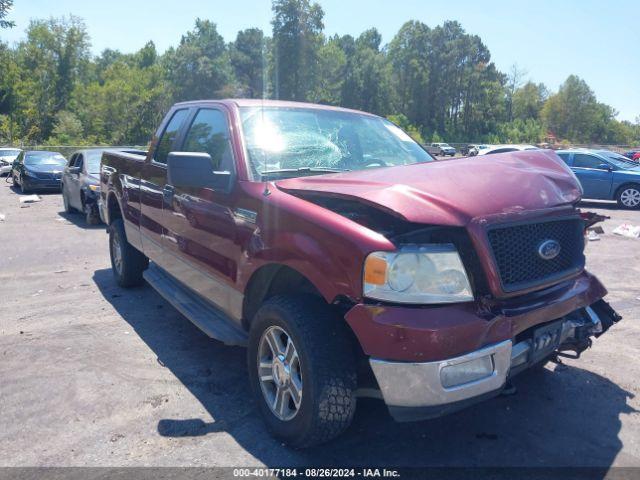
column 596, row 40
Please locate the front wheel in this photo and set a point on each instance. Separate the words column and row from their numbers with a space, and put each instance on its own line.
column 302, row 370
column 127, row 263
column 91, row 215
column 65, row 202
column 629, row 196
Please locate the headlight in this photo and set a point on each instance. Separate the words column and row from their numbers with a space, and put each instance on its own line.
column 94, row 188
column 420, row 274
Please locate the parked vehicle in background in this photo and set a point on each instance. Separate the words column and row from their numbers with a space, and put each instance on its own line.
column 632, row 153
column 605, row 175
column 81, row 184
column 7, row 157
column 38, row 170
column 472, row 149
column 636, row 157
column 441, row 149
column 491, row 149
column 347, row 260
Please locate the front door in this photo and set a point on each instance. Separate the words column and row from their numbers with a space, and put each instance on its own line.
column 595, row 179
column 153, row 179
column 200, row 226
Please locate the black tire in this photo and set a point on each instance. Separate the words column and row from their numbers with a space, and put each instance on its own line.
column 91, row 215
column 327, row 365
column 65, row 201
column 631, row 189
column 23, row 190
column 128, row 271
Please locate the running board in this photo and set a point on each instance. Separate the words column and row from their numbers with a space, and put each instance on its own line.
column 205, row 316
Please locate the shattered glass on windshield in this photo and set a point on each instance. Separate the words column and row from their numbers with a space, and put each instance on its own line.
column 303, row 141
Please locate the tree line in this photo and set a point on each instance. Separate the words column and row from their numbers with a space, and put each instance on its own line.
column 438, row 83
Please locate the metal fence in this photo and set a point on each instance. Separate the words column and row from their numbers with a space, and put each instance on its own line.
column 68, row 150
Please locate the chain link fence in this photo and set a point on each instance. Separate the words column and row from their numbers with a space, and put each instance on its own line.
column 68, row 150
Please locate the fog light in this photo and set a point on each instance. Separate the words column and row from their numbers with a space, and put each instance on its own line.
column 461, row 373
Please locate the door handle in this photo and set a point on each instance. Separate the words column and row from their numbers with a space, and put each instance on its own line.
column 167, row 194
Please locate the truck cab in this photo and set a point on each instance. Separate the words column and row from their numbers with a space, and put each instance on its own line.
column 347, row 260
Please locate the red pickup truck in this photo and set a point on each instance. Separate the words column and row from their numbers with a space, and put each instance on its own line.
column 351, row 263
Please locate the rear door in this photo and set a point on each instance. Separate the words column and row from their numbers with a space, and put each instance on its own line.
column 200, row 225
column 595, row 179
column 153, row 179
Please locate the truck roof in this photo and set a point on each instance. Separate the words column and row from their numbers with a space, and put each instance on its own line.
column 257, row 102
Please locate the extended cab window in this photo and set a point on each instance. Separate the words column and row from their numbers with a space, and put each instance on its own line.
column 169, row 136
column 581, row 160
column 209, row 133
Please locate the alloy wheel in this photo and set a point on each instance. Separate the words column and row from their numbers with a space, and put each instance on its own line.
column 279, row 373
column 630, row 197
column 116, row 253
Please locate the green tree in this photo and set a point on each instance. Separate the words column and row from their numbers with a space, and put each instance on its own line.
column 67, row 130
column 297, row 39
column 248, row 57
column 5, row 7
column 52, row 62
column 199, row 68
column 528, row 100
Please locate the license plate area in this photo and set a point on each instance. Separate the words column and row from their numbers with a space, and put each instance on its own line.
column 546, row 340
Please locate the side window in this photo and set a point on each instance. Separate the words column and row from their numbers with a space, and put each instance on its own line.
column 582, row 160
column 72, row 160
column 565, row 157
column 169, row 135
column 79, row 161
column 209, row 133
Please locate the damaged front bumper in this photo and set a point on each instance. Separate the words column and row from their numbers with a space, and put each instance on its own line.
column 420, row 390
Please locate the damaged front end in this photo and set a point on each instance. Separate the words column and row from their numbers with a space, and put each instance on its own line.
column 571, row 333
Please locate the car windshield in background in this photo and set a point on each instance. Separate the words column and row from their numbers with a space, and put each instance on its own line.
column 92, row 157
column 620, row 161
column 304, row 141
column 44, row 158
column 9, row 152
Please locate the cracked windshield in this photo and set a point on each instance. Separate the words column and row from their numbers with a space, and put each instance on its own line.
column 292, row 142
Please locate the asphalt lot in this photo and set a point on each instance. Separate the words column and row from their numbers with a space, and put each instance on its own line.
column 94, row 375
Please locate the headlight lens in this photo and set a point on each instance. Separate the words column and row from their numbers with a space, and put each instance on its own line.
column 94, row 188
column 420, row 274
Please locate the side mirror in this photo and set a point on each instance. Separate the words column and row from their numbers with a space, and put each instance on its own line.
column 195, row 170
column 605, row 166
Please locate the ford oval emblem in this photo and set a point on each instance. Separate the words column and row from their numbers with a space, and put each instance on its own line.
column 549, row 249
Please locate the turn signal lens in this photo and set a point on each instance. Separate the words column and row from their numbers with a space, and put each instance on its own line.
column 375, row 270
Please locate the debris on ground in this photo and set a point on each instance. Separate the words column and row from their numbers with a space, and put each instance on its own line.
column 24, row 199
column 628, row 230
column 2, row 217
column 592, row 236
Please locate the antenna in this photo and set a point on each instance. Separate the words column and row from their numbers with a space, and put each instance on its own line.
column 266, row 191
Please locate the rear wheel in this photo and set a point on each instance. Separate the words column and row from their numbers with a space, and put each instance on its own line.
column 302, row 370
column 629, row 196
column 127, row 262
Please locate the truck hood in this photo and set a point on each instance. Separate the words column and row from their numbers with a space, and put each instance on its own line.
column 456, row 191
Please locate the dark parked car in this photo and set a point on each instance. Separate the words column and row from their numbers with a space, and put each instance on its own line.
column 7, row 157
column 349, row 262
column 38, row 170
column 81, row 184
column 605, row 175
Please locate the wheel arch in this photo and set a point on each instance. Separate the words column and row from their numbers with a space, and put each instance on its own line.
column 113, row 208
column 270, row 280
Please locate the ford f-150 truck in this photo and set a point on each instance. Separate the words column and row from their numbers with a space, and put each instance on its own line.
column 348, row 262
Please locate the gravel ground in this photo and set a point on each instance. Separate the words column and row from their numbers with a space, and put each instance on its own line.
column 93, row 375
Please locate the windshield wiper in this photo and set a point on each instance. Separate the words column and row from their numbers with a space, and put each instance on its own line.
column 285, row 171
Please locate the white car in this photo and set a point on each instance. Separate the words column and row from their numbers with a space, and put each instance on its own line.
column 491, row 149
column 7, row 156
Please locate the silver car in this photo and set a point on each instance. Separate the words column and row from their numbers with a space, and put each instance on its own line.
column 7, row 156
